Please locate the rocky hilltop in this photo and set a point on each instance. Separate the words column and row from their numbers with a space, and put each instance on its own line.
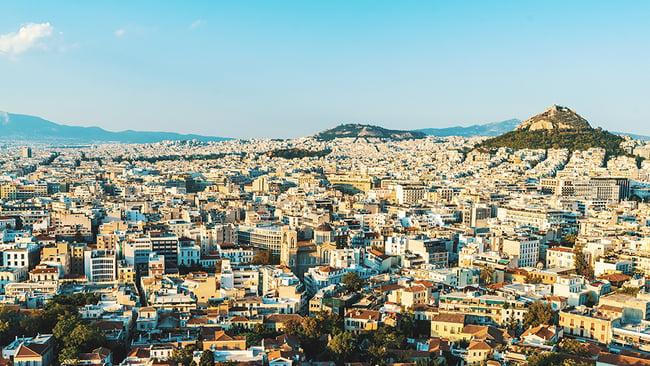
column 353, row 130
column 556, row 128
column 555, row 118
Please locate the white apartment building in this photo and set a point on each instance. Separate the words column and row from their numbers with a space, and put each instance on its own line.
column 235, row 253
column 574, row 288
column 265, row 237
column 240, row 277
column 542, row 219
column 11, row 275
column 188, row 254
column 179, row 228
column 21, row 255
column 346, row 258
column 407, row 195
column 100, row 265
column 526, row 249
column 604, row 266
column 317, row 278
column 136, row 251
column 560, row 257
column 456, row 277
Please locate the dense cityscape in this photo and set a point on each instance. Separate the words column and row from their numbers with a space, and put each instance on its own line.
column 324, row 183
column 356, row 250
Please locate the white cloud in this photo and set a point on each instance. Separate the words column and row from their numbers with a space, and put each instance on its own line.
column 30, row 36
column 197, row 24
column 134, row 30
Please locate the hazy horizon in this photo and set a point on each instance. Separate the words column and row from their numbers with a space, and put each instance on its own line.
column 289, row 68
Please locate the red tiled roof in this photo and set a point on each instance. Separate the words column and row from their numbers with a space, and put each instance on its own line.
column 619, row 360
column 560, row 249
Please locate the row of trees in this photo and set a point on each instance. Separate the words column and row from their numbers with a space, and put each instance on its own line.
column 60, row 317
column 555, row 139
column 323, row 338
column 264, row 256
column 298, row 153
column 553, row 359
column 155, row 159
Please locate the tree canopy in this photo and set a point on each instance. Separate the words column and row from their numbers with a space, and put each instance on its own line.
column 342, row 345
column 183, row 355
column 581, row 264
column 538, row 313
column 207, row 358
column 264, row 256
column 581, row 139
column 352, row 282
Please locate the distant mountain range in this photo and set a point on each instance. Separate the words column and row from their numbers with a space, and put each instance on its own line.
column 636, row 137
column 25, row 127
column 488, row 129
column 353, row 130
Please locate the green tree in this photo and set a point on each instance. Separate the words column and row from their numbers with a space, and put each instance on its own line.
column 342, row 345
column 512, row 323
column 569, row 240
column 629, row 290
column 407, row 325
column 582, row 267
column 183, row 355
column 85, row 337
column 451, row 359
column 310, row 328
column 64, row 328
column 377, row 354
column 591, row 299
column 544, row 359
column 552, row 359
column 392, row 340
column 207, row 358
column 254, row 336
column 486, row 276
column 73, row 332
column 262, row 256
column 329, row 323
column 431, row 361
column 293, row 327
column 352, row 282
column 538, row 313
column 75, row 300
column 573, row 346
column 9, row 324
column 69, row 356
column 532, row 279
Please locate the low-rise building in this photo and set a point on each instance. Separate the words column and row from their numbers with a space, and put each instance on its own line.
column 588, row 324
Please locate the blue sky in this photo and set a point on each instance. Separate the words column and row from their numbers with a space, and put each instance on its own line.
column 292, row 68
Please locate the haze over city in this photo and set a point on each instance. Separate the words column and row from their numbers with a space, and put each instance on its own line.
column 286, row 69
column 324, row 183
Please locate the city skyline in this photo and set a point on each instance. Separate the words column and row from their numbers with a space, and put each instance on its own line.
column 291, row 69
